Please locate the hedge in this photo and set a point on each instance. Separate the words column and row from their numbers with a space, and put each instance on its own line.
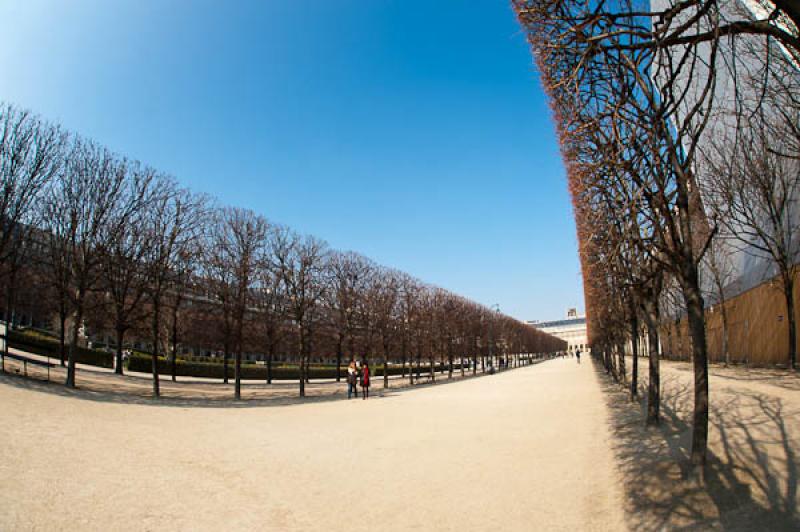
column 41, row 345
column 214, row 370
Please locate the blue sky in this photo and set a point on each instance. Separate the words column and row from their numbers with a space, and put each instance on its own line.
column 412, row 131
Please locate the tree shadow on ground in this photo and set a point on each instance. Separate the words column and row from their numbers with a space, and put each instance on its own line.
column 169, row 399
column 752, row 471
column 780, row 378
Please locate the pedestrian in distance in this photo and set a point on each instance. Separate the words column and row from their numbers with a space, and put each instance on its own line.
column 359, row 372
column 365, row 380
column 352, row 377
column 578, row 355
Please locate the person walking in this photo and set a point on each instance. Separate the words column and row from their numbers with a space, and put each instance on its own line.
column 578, row 355
column 351, row 379
column 365, row 380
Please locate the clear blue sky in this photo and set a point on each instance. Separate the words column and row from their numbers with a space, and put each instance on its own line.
column 412, row 131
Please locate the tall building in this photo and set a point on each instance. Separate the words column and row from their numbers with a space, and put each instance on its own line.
column 743, row 74
column 748, row 86
column 572, row 330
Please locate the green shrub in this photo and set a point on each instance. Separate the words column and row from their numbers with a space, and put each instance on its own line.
column 250, row 371
column 40, row 344
column 214, row 370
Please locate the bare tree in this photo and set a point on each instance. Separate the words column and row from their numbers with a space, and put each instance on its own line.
column 123, row 277
column 756, row 187
column 717, row 262
column 271, row 299
column 31, row 155
column 384, row 308
column 347, row 276
column 175, row 221
column 84, row 212
column 409, row 307
column 181, row 290
column 637, row 82
column 300, row 261
column 239, row 241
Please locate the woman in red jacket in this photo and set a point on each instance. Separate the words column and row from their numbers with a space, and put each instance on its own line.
column 365, row 380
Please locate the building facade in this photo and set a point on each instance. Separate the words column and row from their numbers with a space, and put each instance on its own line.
column 572, row 330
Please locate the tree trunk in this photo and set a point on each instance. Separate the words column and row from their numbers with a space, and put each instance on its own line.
column 62, row 336
column 120, row 339
column 788, row 292
column 385, row 364
column 612, row 359
column 71, row 358
column 9, row 296
column 175, row 343
column 154, row 354
column 694, row 305
column 302, row 376
column 654, row 384
column 726, row 356
column 433, row 370
column 404, row 355
column 237, row 370
column 339, row 355
column 635, row 354
column 308, row 350
column 225, row 354
column 270, row 355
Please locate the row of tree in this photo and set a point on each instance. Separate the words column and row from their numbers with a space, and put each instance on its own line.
column 107, row 244
column 680, row 127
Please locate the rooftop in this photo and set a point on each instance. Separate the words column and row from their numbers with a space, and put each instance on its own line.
column 560, row 323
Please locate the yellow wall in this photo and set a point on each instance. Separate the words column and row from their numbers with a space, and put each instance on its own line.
column 756, row 334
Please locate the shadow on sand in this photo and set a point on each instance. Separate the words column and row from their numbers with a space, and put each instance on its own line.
column 781, row 378
column 169, row 398
column 110, row 388
column 752, row 471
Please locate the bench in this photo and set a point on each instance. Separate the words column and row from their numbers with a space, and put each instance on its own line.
column 25, row 361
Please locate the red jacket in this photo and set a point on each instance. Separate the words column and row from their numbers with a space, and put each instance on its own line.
column 365, row 376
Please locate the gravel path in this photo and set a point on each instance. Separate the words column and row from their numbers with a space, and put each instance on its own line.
column 528, row 449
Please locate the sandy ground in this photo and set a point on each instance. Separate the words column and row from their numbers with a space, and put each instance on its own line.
column 753, row 459
column 527, row 449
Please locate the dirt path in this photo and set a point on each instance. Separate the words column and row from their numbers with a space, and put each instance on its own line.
column 524, row 450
